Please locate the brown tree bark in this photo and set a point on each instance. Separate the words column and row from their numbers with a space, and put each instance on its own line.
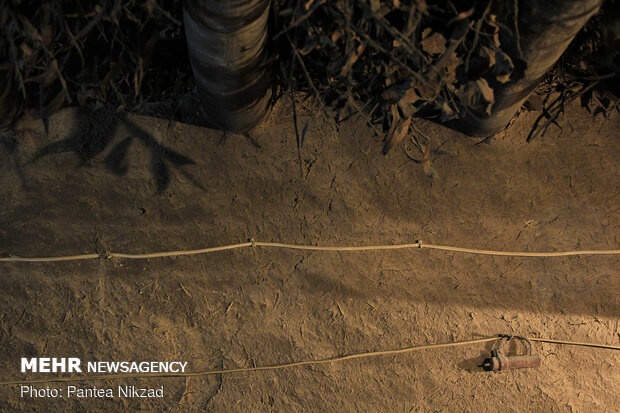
column 226, row 41
column 546, row 27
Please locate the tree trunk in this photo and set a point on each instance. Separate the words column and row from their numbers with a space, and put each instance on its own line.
column 546, row 27
column 226, row 41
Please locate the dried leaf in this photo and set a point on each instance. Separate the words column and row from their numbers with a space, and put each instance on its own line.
column 410, row 96
column 397, row 135
column 395, row 118
column 446, row 112
column 395, row 93
column 478, row 95
column 407, row 109
column 503, row 78
column 26, row 50
column 503, row 67
column 352, row 59
column 434, row 44
column 488, row 55
column 485, row 89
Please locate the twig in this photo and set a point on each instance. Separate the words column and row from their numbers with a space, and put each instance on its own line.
column 165, row 13
column 477, row 33
column 561, row 101
column 516, row 23
column 296, row 127
column 396, row 60
column 361, row 112
column 297, row 137
column 394, row 33
column 91, row 23
column 297, row 22
column 306, row 74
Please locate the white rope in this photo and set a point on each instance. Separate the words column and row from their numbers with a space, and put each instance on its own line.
column 417, row 244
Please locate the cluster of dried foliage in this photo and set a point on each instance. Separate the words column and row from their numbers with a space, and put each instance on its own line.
column 390, row 61
column 386, row 60
column 89, row 53
column 589, row 71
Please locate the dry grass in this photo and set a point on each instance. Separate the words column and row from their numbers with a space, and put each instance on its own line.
column 386, row 61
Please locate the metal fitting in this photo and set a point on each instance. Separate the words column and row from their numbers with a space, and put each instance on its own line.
column 499, row 361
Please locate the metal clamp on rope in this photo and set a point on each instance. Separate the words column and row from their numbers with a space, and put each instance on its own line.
column 500, row 361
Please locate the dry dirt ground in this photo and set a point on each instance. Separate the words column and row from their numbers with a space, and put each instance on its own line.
column 141, row 184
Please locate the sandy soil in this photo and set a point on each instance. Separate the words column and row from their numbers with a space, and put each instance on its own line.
column 142, row 184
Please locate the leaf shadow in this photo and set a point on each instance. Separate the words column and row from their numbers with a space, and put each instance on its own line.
column 94, row 132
